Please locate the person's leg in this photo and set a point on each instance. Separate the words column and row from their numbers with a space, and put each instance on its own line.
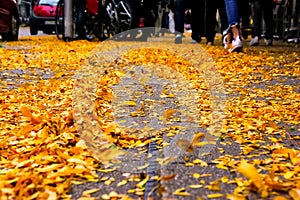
column 232, row 10
column 257, row 22
column 210, row 21
column 150, row 12
column 197, row 21
column 165, row 21
column 165, row 18
column 257, row 18
column 179, row 9
column 267, row 6
column 245, row 10
column 223, row 15
column 232, row 36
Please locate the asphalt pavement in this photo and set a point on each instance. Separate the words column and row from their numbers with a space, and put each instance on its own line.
column 25, row 31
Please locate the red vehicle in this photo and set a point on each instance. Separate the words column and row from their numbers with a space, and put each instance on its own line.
column 43, row 17
column 9, row 20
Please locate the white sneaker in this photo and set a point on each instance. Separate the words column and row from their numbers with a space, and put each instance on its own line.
column 237, row 45
column 254, row 41
column 233, row 45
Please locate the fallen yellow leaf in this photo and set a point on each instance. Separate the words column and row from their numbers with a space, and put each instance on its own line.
column 91, row 191
column 295, row 194
column 181, row 192
column 212, row 196
column 250, row 172
column 142, row 183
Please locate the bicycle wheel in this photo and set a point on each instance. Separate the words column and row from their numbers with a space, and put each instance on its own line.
column 59, row 19
column 127, row 15
column 122, row 16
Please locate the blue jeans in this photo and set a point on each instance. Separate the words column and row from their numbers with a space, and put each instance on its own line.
column 232, row 10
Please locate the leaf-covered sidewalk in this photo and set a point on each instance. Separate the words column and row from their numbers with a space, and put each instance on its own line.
column 42, row 155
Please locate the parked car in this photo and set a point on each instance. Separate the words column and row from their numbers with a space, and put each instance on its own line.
column 9, row 20
column 43, row 17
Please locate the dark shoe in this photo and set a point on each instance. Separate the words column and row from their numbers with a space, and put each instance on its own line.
column 178, row 39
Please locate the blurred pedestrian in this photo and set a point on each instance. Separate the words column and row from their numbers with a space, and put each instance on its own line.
column 232, row 39
column 262, row 9
column 162, row 20
column 210, row 19
column 165, row 17
column 197, row 19
column 150, row 12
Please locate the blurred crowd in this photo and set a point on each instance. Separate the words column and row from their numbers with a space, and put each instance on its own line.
column 234, row 19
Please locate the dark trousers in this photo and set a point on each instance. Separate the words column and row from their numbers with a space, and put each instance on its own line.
column 197, row 18
column 149, row 11
column 179, row 9
column 245, row 12
column 262, row 8
column 210, row 18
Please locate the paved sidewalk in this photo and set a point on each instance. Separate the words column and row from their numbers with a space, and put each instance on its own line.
column 160, row 102
column 185, row 183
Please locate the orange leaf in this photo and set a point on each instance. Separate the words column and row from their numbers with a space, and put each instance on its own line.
column 26, row 112
column 167, row 178
column 250, row 172
column 235, row 197
column 295, row 194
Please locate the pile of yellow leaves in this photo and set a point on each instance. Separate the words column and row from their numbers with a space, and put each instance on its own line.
column 255, row 107
column 145, row 56
column 42, row 155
